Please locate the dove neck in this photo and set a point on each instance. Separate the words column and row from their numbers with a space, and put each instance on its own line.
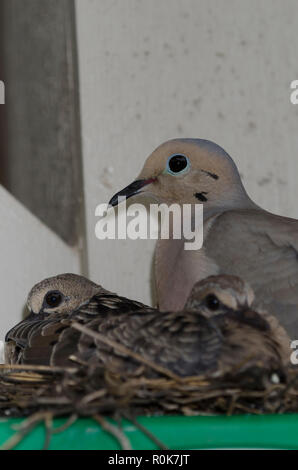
column 234, row 201
column 193, row 218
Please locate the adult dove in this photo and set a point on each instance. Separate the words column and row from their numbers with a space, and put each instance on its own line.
column 240, row 238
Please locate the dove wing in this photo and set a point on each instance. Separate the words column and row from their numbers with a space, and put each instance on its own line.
column 32, row 341
column 49, row 339
column 186, row 343
column 261, row 248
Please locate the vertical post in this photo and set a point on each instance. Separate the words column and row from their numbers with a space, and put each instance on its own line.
column 41, row 164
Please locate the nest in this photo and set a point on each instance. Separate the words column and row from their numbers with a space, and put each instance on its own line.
column 43, row 392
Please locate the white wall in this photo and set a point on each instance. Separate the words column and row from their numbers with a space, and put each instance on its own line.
column 30, row 252
column 158, row 69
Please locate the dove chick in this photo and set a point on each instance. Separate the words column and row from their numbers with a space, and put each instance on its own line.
column 240, row 238
column 214, row 292
column 217, row 333
column 53, row 304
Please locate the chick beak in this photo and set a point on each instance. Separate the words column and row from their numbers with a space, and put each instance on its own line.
column 130, row 190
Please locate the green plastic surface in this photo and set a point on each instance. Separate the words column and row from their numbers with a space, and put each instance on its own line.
column 176, row 432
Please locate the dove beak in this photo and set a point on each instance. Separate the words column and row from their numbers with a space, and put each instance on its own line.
column 130, row 190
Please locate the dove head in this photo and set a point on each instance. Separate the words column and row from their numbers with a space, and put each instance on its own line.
column 189, row 171
column 219, row 294
column 61, row 294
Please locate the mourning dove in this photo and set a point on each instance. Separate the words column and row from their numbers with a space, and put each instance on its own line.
column 237, row 295
column 53, row 303
column 215, row 333
column 240, row 238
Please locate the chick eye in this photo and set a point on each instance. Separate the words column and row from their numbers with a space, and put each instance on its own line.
column 212, row 302
column 177, row 164
column 53, row 299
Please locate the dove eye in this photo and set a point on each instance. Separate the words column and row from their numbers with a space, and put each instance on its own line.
column 53, row 299
column 212, row 302
column 177, row 164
